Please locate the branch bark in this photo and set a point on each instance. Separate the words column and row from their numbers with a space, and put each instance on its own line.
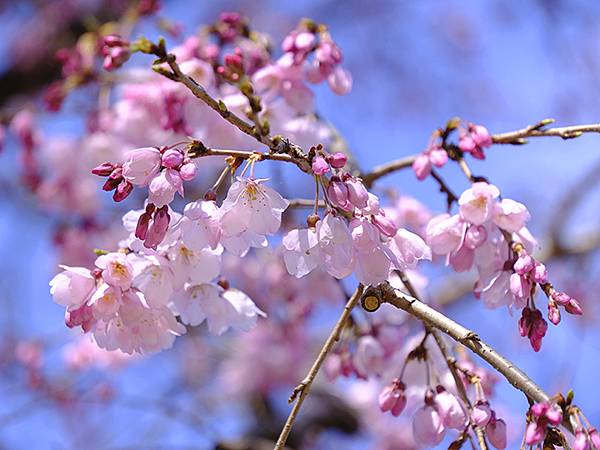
column 515, row 376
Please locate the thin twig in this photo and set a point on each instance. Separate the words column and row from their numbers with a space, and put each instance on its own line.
column 386, row 169
column 538, row 130
column 450, row 362
column 305, row 203
column 444, row 188
column 301, row 391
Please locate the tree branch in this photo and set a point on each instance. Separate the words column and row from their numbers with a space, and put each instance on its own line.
column 515, row 376
column 538, row 130
column 386, row 169
column 301, row 391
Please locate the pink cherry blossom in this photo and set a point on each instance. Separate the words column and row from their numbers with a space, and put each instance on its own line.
column 194, row 266
column 222, row 309
column 428, row 426
column 163, row 187
column 200, row 225
column 251, row 208
column 450, row 410
column 477, row 203
column 408, row 249
column 137, row 328
column 141, row 165
column 444, row 233
column 368, row 358
column 116, row 269
column 72, row 287
column 510, row 215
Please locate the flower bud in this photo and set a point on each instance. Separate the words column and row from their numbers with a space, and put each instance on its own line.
column 172, row 158
column 123, row 190
column 581, row 441
column 188, row 171
column 496, row 433
column 481, row 413
column 553, row 313
column 385, row 225
column 337, row 191
column 357, row 193
column 158, row 229
column 573, row 307
column 319, row 165
column 337, row 160
column 104, row 169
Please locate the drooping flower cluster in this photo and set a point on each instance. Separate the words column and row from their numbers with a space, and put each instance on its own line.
column 490, row 235
column 131, row 300
column 354, row 235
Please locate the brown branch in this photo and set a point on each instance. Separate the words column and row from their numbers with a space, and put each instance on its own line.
column 301, row 391
column 386, row 169
column 515, row 376
column 276, row 144
column 445, row 189
column 538, row 130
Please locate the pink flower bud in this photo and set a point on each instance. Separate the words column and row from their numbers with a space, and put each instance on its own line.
column 496, row 433
column 428, row 428
column 113, row 180
column 520, row 286
column 594, row 437
column 553, row 313
column 525, row 323
column 357, row 193
column 304, row 40
column 188, row 171
column 554, row 414
column 172, row 158
column 392, row 398
column 438, row 156
column 540, row 274
column 337, row 160
column 524, row 264
column 104, row 169
column 385, row 225
column 481, row 413
column 534, row 434
column 475, row 236
column 123, row 190
column 450, row 410
column 337, row 191
column 581, row 441
column 573, row 307
column 539, row 409
column 158, row 229
column 319, row 165
column 422, row 166
column 561, row 298
column 141, row 229
column 340, row 81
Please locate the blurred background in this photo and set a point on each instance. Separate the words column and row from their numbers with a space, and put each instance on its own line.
column 415, row 65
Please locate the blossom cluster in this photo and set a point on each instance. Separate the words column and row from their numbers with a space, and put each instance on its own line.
column 131, row 300
column 489, row 234
column 355, row 235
